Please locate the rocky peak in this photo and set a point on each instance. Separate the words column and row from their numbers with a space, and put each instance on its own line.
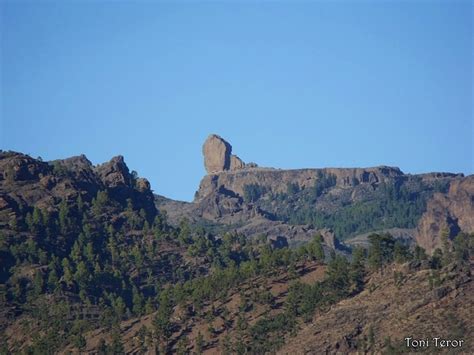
column 78, row 166
column 20, row 167
column 218, row 155
column 77, row 163
column 114, row 173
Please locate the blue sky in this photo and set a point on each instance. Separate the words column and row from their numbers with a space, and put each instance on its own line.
column 288, row 84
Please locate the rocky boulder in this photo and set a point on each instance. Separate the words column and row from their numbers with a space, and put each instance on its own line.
column 217, row 155
column 115, row 173
column 143, row 185
column 236, row 163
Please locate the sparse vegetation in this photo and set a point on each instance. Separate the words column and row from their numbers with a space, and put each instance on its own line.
column 102, row 263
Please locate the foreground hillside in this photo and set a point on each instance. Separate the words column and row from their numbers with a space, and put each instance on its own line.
column 405, row 301
column 89, row 264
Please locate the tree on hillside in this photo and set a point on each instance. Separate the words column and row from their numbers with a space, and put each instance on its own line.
column 315, row 248
column 401, row 253
column 116, row 347
column 199, row 343
column 463, row 245
column 381, row 250
column 447, row 250
column 357, row 269
column 337, row 274
column 161, row 322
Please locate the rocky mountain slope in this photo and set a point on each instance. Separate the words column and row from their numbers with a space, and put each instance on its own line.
column 92, row 261
column 449, row 212
column 340, row 203
column 400, row 303
column 27, row 182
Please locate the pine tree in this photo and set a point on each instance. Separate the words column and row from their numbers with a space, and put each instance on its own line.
column 13, row 223
column 447, row 252
column 381, row 250
column 67, row 271
column 149, row 306
column 315, row 248
column 337, row 274
column 116, row 347
column 38, row 283
column 80, row 342
column 463, row 245
column 80, row 204
column 102, row 348
column 357, row 269
column 37, row 220
column 64, row 221
column 82, row 275
column 400, row 252
column 161, row 322
column 199, row 343
column 119, row 307
column 137, row 302
column 420, row 253
column 53, row 281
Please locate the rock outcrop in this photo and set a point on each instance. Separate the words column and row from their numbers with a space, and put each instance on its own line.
column 20, row 167
column 217, row 155
column 451, row 212
column 25, row 181
column 236, row 163
column 114, row 173
column 277, row 180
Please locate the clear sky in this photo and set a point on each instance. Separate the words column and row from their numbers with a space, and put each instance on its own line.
column 288, row 84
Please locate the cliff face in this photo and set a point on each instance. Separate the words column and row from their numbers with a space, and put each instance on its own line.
column 277, row 180
column 298, row 203
column 452, row 212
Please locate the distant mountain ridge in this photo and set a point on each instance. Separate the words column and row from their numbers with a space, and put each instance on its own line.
column 338, row 203
column 296, row 203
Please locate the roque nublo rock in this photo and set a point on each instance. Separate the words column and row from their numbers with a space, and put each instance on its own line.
column 217, row 155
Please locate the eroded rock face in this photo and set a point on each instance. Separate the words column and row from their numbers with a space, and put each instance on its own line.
column 453, row 212
column 236, row 163
column 143, row 185
column 276, row 180
column 19, row 167
column 25, row 181
column 217, row 155
column 115, row 173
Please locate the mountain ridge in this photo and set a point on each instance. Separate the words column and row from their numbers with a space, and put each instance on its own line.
column 250, row 197
column 90, row 253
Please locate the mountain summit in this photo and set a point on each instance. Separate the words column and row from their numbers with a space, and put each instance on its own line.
column 217, row 155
